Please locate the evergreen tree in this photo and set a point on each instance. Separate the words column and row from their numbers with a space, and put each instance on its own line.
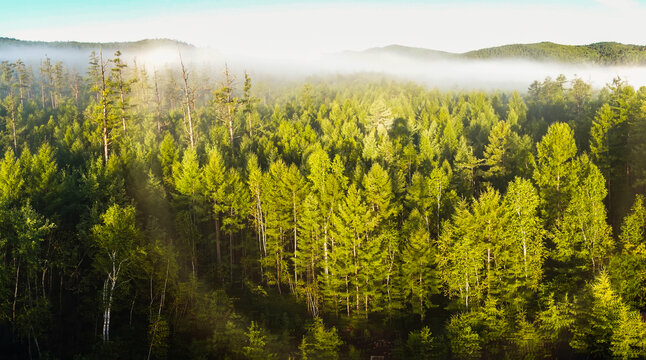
column 320, row 343
column 553, row 170
column 583, row 238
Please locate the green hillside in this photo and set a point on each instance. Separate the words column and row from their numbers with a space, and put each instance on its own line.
column 607, row 53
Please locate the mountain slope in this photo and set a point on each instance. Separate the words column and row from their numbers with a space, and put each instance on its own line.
column 145, row 44
column 76, row 54
column 604, row 53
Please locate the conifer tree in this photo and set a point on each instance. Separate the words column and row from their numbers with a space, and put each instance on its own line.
column 526, row 249
column 214, row 174
column 583, row 239
column 628, row 267
column 555, row 153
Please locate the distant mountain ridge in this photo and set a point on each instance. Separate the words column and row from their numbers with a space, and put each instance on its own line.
column 144, row 44
column 75, row 54
column 602, row 53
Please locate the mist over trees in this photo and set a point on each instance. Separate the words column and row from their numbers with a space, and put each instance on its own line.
column 179, row 213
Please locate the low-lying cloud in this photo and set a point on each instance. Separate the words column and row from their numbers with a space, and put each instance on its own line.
column 461, row 74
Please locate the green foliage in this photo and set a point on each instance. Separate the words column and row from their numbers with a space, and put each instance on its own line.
column 583, row 237
column 629, row 335
column 256, row 346
column 598, row 321
column 628, row 267
column 320, row 343
column 422, row 345
column 553, row 173
column 465, row 343
column 387, row 209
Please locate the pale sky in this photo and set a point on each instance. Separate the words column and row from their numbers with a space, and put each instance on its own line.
column 277, row 29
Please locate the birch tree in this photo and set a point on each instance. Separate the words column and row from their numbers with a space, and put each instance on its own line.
column 116, row 239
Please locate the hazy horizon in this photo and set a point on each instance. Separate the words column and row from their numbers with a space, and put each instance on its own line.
column 462, row 74
column 285, row 29
column 289, row 38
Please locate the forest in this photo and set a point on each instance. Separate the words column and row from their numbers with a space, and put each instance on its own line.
column 189, row 212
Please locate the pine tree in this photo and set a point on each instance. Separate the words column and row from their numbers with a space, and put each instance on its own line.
column 10, row 104
column 354, row 253
column 236, row 205
column 121, row 88
column 628, row 267
column 419, row 275
column 214, row 173
column 629, row 335
column 526, row 249
column 497, row 151
column 11, row 178
column 599, row 138
column 256, row 347
column 593, row 334
column 168, row 155
column 460, row 259
column 308, row 255
column 320, row 343
column 553, row 170
column 583, row 238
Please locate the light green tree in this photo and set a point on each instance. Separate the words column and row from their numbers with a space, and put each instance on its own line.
column 555, row 153
column 117, row 245
column 583, row 237
column 320, row 343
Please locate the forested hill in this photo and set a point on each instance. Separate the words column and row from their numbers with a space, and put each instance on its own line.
column 603, row 53
column 75, row 54
column 145, row 44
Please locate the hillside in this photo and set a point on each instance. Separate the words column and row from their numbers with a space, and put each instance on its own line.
column 404, row 51
column 75, row 54
column 604, row 53
column 145, row 44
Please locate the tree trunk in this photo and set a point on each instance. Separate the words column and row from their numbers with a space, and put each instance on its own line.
column 218, row 254
column 295, row 239
column 104, row 106
column 188, row 98
column 231, row 256
column 15, row 292
column 161, row 305
column 13, row 127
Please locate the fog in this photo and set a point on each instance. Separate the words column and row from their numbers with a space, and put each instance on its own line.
column 443, row 74
column 505, row 74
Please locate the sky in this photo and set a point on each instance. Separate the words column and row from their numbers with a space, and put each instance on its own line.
column 284, row 28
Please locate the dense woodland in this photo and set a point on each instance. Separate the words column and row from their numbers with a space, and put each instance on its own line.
column 607, row 53
column 188, row 212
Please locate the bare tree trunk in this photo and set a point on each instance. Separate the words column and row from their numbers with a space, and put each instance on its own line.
column 231, row 256
column 158, row 103
column 15, row 292
column 228, row 83
column 188, row 98
column 104, row 107
column 20, row 89
column 295, row 240
column 13, row 127
column 347, row 296
column 217, row 240
column 159, row 309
